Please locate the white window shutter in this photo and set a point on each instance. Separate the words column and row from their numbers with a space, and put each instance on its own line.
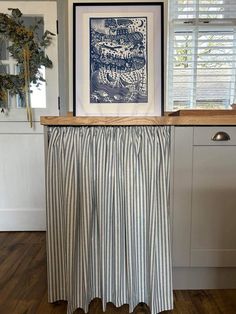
column 202, row 54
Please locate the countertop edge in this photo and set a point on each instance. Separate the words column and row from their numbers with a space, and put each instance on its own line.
column 132, row 121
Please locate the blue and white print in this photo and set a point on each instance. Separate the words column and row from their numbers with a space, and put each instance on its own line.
column 118, row 60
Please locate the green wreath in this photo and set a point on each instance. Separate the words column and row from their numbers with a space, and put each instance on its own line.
column 29, row 51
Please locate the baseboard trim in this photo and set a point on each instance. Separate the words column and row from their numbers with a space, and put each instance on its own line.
column 204, row 278
column 22, row 220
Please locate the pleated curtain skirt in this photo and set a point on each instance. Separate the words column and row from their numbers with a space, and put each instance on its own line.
column 107, row 216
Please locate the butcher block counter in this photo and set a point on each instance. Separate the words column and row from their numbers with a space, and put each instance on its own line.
column 226, row 118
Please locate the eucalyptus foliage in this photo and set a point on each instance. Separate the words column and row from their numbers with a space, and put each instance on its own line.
column 20, row 38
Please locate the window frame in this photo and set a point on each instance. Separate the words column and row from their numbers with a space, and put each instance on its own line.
column 193, row 26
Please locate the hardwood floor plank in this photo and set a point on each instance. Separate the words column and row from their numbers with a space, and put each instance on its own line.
column 224, row 299
column 23, row 284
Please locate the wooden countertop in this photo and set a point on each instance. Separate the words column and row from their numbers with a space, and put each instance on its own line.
column 126, row 121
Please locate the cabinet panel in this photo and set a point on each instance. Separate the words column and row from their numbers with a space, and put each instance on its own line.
column 22, row 172
column 204, row 198
column 203, row 135
column 181, row 195
column 213, row 235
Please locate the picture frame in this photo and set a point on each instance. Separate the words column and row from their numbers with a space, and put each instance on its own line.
column 118, row 59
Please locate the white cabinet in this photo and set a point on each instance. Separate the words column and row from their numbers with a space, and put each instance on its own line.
column 204, row 198
column 22, row 196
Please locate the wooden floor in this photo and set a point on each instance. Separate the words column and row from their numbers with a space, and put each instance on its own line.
column 23, row 288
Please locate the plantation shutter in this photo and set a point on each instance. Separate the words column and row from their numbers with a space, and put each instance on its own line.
column 202, row 54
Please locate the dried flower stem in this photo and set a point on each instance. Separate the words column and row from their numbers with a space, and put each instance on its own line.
column 26, row 54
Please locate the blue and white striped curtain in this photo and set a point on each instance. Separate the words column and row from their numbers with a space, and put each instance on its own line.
column 107, row 216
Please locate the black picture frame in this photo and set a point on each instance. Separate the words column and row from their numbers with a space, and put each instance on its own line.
column 118, row 59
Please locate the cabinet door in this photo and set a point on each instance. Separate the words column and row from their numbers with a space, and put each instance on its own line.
column 44, row 99
column 213, row 222
column 204, row 198
column 22, row 196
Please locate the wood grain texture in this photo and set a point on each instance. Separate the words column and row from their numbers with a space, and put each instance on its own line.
column 131, row 121
column 23, row 284
column 203, row 112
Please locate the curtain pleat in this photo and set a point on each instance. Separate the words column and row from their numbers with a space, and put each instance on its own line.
column 107, row 216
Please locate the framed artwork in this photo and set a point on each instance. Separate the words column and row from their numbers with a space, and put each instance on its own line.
column 118, row 59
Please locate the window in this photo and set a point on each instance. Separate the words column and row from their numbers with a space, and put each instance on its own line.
column 202, row 54
column 9, row 65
